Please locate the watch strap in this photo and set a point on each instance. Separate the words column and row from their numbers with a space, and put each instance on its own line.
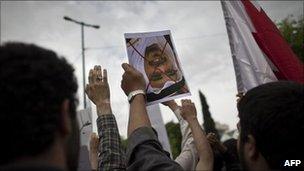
column 132, row 94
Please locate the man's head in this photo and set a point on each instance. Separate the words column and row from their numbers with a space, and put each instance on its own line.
column 160, row 66
column 37, row 102
column 271, row 125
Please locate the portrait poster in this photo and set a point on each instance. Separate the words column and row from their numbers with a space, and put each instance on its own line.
column 155, row 56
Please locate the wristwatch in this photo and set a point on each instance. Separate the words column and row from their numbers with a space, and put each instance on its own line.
column 132, row 94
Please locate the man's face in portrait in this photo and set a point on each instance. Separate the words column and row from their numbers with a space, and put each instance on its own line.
column 159, row 65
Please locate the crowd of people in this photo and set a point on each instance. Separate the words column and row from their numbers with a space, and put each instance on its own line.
column 40, row 130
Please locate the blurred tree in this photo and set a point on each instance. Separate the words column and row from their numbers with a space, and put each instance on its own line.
column 175, row 137
column 293, row 31
column 208, row 124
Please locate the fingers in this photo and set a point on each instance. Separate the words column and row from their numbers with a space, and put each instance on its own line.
column 91, row 80
column 97, row 69
column 213, row 138
column 126, row 66
column 132, row 79
column 98, row 75
column 105, row 76
column 168, row 103
column 186, row 102
column 93, row 75
column 240, row 94
column 212, row 134
column 188, row 108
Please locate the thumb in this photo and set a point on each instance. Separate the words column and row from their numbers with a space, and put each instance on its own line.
column 126, row 66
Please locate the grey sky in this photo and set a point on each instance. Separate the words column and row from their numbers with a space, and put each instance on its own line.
column 197, row 27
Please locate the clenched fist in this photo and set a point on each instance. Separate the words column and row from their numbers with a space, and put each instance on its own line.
column 132, row 79
column 188, row 110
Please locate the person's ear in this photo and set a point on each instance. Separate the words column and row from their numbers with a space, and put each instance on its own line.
column 251, row 148
column 65, row 121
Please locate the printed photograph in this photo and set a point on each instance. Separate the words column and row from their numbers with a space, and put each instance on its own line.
column 154, row 55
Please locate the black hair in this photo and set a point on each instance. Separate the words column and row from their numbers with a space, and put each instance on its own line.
column 34, row 82
column 273, row 114
column 151, row 48
column 231, row 145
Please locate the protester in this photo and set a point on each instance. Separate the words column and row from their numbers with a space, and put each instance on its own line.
column 94, row 141
column 188, row 112
column 217, row 148
column 38, row 110
column 188, row 157
column 112, row 156
column 144, row 151
column 227, row 153
column 231, row 158
column 271, row 125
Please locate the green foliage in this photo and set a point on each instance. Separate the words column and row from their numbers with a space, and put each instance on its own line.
column 293, row 31
column 175, row 137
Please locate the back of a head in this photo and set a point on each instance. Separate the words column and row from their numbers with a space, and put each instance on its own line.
column 273, row 114
column 231, row 145
column 33, row 84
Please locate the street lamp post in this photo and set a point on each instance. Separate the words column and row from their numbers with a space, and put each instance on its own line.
column 82, row 24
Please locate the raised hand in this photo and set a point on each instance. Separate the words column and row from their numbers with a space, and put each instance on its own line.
column 98, row 88
column 171, row 104
column 132, row 79
column 215, row 143
column 188, row 110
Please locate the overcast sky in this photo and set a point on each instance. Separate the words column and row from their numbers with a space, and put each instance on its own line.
column 198, row 31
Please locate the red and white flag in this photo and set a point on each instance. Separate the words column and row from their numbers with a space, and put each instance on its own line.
column 259, row 52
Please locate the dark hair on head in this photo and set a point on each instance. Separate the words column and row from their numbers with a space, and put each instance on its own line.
column 34, row 82
column 151, row 48
column 156, row 47
column 273, row 114
column 231, row 145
